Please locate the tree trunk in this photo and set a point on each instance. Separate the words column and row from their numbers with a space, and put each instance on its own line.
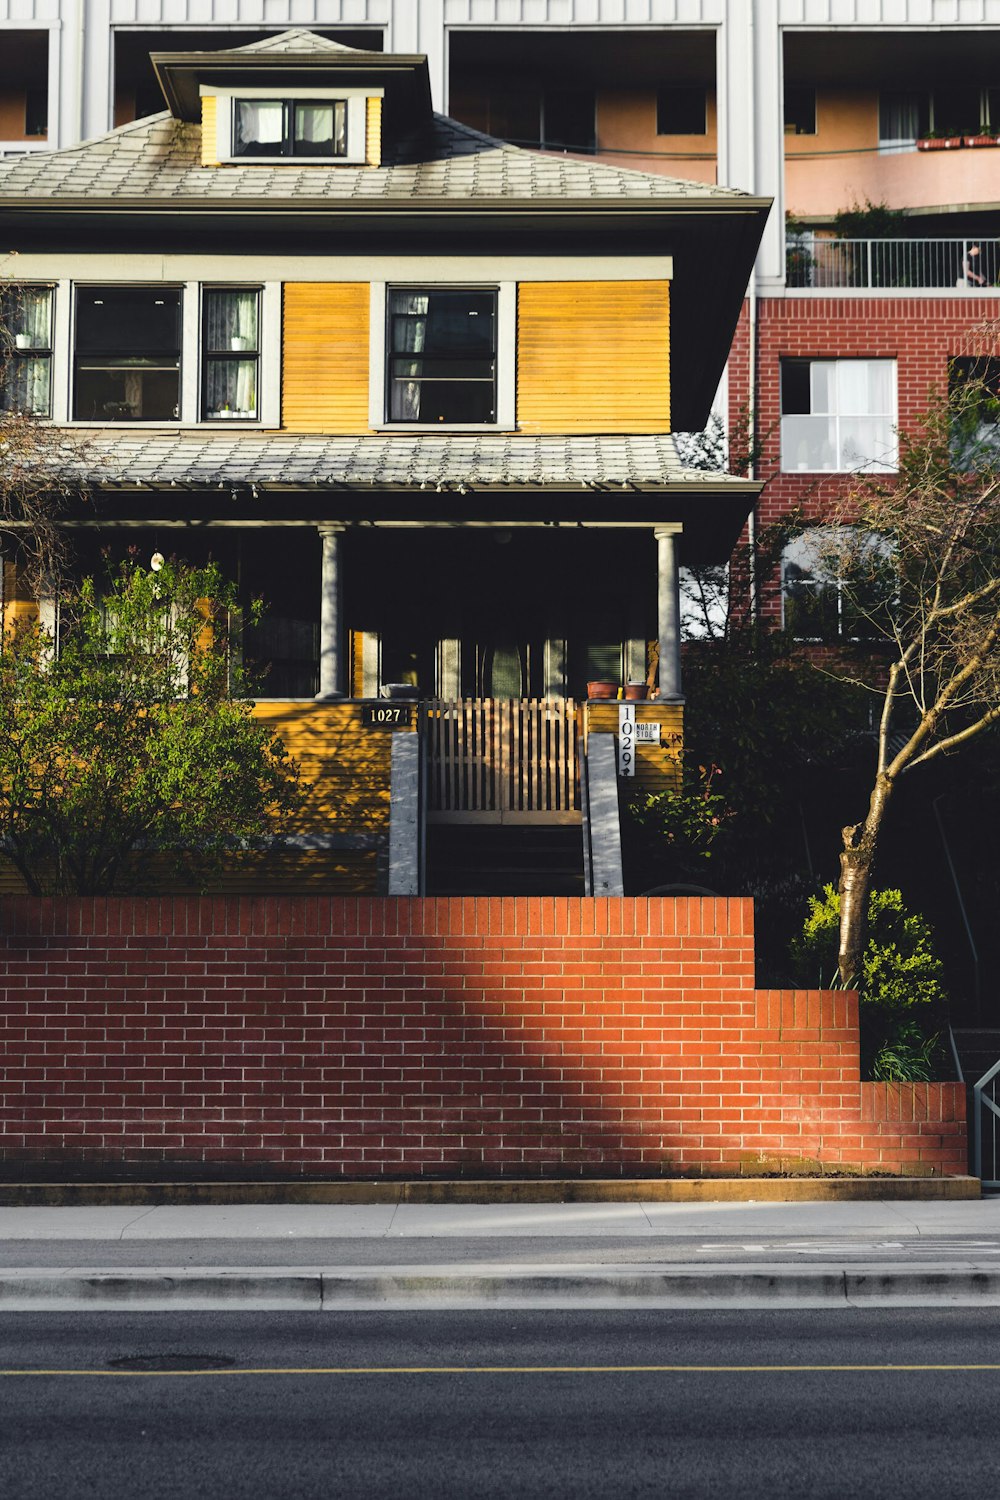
column 856, row 860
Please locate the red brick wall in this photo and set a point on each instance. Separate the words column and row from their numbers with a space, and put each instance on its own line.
column 921, row 333
column 361, row 1037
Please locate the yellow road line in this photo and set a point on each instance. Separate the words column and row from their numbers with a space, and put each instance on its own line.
column 518, row 1370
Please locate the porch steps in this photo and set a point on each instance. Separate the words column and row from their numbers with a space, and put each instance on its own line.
column 489, row 860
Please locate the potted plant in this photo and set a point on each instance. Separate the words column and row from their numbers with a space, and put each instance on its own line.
column 236, row 343
column 604, row 688
column 939, row 140
column 22, row 340
column 635, row 692
column 982, row 137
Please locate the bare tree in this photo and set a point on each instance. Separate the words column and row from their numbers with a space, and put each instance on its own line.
column 931, row 593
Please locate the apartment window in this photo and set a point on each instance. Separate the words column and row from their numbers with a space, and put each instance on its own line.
column 569, row 118
column 974, row 386
column 128, row 354
column 800, row 109
column 441, row 355
column 36, row 110
column 289, row 127
column 837, row 583
column 903, row 116
column 682, row 109
column 838, row 415
column 26, row 313
column 230, row 353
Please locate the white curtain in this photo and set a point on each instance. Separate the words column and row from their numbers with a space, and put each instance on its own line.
column 259, row 124
column 228, row 316
column 322, row 124
column 32, row 316
column 409, row 337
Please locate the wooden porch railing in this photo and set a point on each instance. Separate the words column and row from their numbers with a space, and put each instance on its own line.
column 498, row 760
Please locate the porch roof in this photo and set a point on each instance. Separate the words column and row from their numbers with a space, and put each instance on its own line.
column 600, row 480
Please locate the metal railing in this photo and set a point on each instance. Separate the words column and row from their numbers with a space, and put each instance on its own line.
column 827, row 264
column 985, row 1114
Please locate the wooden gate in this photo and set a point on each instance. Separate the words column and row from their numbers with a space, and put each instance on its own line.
column 501, row 760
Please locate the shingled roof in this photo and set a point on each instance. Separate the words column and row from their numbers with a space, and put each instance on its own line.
column 159, row 158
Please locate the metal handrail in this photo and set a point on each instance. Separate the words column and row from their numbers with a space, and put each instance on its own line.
column 828, row 263
column 979, row 1099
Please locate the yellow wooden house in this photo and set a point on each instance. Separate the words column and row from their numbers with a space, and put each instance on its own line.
column 414, row 387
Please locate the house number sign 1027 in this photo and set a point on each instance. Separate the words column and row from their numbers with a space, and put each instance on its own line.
column 386, row 715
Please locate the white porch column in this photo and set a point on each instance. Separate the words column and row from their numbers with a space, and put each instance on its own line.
column 331, row 665
column 668, row 601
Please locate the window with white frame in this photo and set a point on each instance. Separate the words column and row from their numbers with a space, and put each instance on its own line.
column 301, row 124
column 127, row 358
column 26, row 359
column 838, row 416
column 230, row 347
column 441, row 355
column 837, row 583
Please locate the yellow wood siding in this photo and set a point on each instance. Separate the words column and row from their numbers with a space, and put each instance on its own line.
column 657, row 766
column 593, row 356
column 325, row 357
column 373, row 133
column 209, row 131
column 19, row 604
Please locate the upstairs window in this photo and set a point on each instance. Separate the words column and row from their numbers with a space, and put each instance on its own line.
column 26, row 374
column 838, row 416
column 442, row 355
column 289, row 127
column 231, row 353
column 800, row 109
column 682, row 109
column 128, row 354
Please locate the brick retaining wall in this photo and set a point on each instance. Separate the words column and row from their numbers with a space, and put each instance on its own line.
column 359, row 1037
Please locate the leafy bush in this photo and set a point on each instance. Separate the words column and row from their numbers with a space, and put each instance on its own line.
column 900, row 974
column 668, row 836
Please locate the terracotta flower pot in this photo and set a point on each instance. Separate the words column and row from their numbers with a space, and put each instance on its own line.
column 635, row 692
column 602, row 690
column 980, row 140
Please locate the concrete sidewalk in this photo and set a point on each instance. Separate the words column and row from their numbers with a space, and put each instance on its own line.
column 406, row 1256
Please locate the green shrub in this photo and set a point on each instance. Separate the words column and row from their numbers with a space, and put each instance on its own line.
column 900, row 975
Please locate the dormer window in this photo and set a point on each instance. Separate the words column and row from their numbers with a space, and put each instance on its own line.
column 290, row 127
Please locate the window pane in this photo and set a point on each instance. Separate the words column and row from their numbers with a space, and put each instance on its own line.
column 903, row 116
column 128, row 320
column 681, row 109
column 28, row 313
column 231, row 388
column 809, row 443
column 795, row 392
column 569, row 117
column 957, row 109
column 320, row 129
column 867, row 443
column 109, row 393
column 26, row 385
column 441, row 401
column 259, row 128
column 822, row 386
column 800, row 109
column 230, row 321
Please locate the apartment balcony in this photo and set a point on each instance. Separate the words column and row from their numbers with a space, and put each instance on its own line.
column 825, row 264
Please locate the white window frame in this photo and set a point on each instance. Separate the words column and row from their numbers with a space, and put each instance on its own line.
column 885, row 463
column 357, row 124
column 378, row 414
column 192, row 355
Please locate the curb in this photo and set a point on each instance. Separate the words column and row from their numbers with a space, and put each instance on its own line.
column 470, row 1191
column 281, row 1290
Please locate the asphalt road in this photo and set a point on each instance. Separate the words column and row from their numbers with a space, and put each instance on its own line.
column 457, row 1406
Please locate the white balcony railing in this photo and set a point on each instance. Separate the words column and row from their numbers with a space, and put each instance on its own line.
column 827, row 264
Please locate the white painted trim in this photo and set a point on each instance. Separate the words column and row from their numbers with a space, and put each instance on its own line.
column 62, row 345
column 269, row 356
column 506, row 355
column 101, row 266
column 190, row 402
